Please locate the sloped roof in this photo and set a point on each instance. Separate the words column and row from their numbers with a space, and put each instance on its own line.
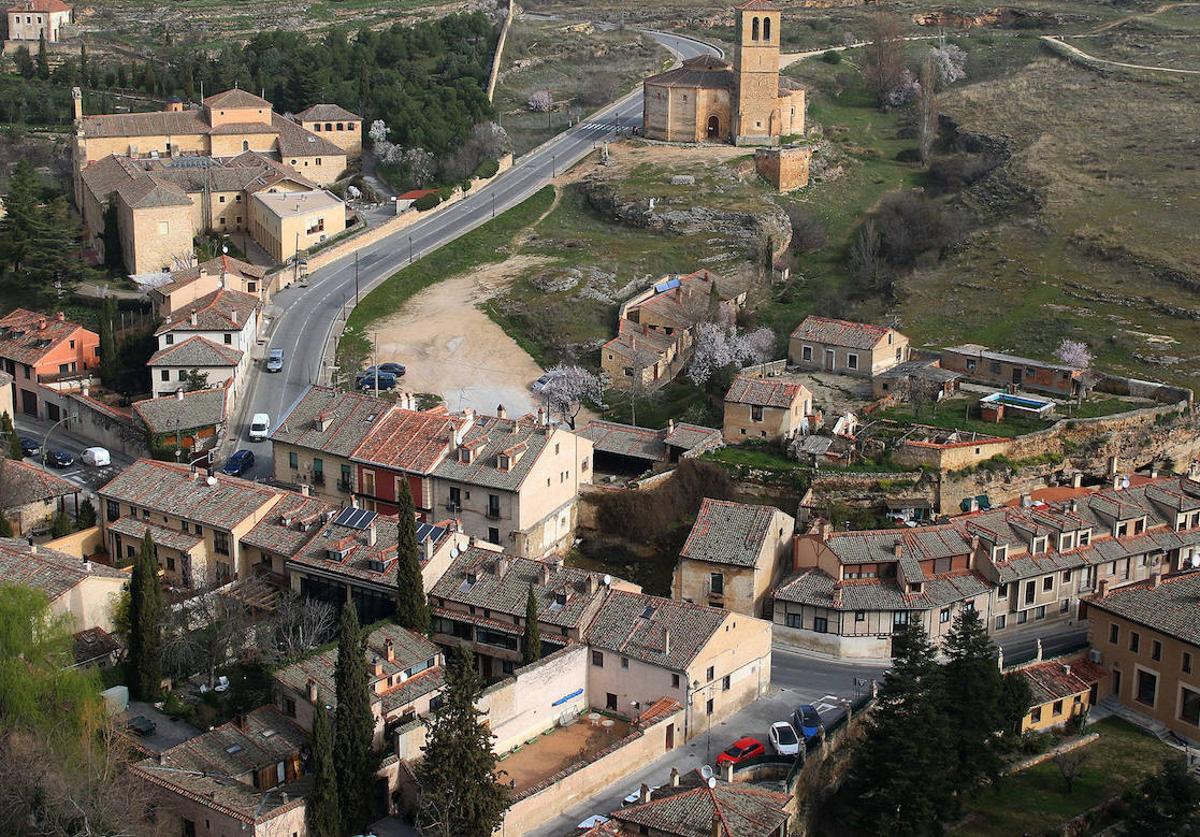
column 296, row 141
column 349, row 417
column 757, row 5
column 743, row 810
column 488, row 437
column 225, row 309
column 729, row 533
column 408, row 440
column 236, row 98
column 28, row 336
column 292, row 522
column 23, row 483
column 846, row 333
column 662, row 632
column 154, row 123
column 1172, row 608
column 1057, row 679
column 149, row 193
column 326, row 112
column 200, row 408
column 165, row 486
column 46, row 6
column 48, row 570
column 632, row 338
column 780, row 391
column 703, row 74
column 625, row 440
column 196, row 352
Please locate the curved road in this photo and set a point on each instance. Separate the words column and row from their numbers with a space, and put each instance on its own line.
column 304, row 315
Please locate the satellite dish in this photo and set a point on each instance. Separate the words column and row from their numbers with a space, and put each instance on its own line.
column 1125, row 481
column 212, row 480
column 607, row 580
column 706, row 772
column 454, row 552
column 712, row 781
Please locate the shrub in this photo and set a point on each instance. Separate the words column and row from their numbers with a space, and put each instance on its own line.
column 912, row 224
column 487, row 169
column 832, row 56
column 950, row 174
column 426, row 202
column 1035, row 743
column 808, row 233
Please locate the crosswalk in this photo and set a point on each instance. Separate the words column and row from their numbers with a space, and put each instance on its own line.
column 604, row 126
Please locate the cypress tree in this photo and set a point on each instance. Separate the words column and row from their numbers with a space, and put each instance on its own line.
column 899, row 779
column 972, row 698
column 114, row 253
column 110, row 361
column 355, row 726
column 412, row 608
column 87, row 514
column 456, row 780
column 531, row 644
column 324, row 815
column 10, row 433
column 145, row 624
column 43, row 61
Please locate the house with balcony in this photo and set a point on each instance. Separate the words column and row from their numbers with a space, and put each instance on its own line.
column 734, row 556
column 39, row 350
column 406, row 672
column 215, row 335
column 313, row 444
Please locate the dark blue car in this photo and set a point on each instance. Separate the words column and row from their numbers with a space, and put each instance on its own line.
column 30, row 447
column 807, row 721
column 239, row 463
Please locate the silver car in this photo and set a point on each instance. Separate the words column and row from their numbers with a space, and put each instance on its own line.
column 275, row 360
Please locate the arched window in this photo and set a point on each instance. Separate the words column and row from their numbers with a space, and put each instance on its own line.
column 754, row 29
column 766, row 28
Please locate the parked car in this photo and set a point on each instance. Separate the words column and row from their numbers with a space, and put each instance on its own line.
column 275, row 360
column 783, row 739
column 260, row 427
column 807, row 721
column 540, row 383
column 59, row 459
column 141, row 725
column 385, row 381
column 740, row 750
column 396, row 369
column 96, row 457
column 239, row 463
column 29, row 447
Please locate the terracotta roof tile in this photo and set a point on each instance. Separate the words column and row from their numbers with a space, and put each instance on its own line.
column 22, row 483
column 729, row 533
column 840, row 332
column 662, row 632
column 779, row 391
column 48, row 570
column 27, row 336
column 196, row 352
column 167, row 487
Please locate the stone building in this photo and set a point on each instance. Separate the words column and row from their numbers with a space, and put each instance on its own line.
column 745, row 102
column 31, row 20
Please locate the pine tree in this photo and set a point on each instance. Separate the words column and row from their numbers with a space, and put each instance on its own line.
column 531, row 643
column 21, row 209
column 456, row 781
column 87, row 514
column 412, row 608
column 972, row 698
column 899, row 781
column 324, row 815
column 145, row 624
column 1167, row 803
column 354, row 728
column 11, row 437
column 43, row 60
column 61, row 524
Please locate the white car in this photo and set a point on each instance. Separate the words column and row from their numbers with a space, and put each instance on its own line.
column 260, row 427
column 96, row 457
column 783, row 739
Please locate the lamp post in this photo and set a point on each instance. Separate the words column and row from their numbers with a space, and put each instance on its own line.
column 46, row 438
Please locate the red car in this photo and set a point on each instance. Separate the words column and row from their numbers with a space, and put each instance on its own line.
column 740, row 750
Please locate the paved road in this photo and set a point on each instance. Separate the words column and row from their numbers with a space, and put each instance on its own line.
column 304, row 315
column 85, row 476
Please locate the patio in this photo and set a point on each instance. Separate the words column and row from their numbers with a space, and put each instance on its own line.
column 542, row 757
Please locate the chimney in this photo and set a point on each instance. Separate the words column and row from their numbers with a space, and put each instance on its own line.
column 1114, row 465
column 304, row 489
column 500, row 411
column 1026, row 500
column 323, row 420
column 1153, row 472
column 1066, row 668
column 87, row 565
column 670, row 426
column 897, row 548
column 1193, row 471
column 544, row 573
column 593, row 583
column 77, row 96
column 1103, row 587
column 1116, row 482
column 372, row 534
column 239, row 721
column 391, row 651
column 179, row 394
column 234, row 316
column 666, row 641
column 727, row 772
column 313, row 692
column 1077, row 480
column 674, row 777
column 61, row 317
column 41, row 323
column 501, row 566
column 717, row 829
column 1155, row 579
column 541, row 416
column 192, row 318
column 644, row 793
column 377, row 666
column 451, row 437
column 1073, row 506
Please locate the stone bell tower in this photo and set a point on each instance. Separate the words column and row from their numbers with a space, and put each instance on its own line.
column 756, row 73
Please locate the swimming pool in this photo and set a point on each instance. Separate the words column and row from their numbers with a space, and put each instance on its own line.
column 1027, row 403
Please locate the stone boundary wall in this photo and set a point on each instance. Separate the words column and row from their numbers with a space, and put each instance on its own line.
column 843, row 647
column 1065, row 747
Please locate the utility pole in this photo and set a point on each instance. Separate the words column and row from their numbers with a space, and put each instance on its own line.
column 375, row 359
column 493, row 204
column 410, row 259
column 296, row 259
column 356, row 277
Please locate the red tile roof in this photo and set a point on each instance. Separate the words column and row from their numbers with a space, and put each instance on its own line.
column 408, row 440
column 28, row 336
column 41, row 6
column 766, row 392
column 840, row 332
column 1058, row 679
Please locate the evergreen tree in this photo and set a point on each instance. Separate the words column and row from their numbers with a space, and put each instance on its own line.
column 1167, row 803
column 412, row 608
column 1015, row 697
column 24, row 62
column 19, row 225
column 324, row 815
column 972, row 698
column 11, row 437
column 114, row 253
column 900, row 781
column 61, row 525
column 6, row 529
column 110, row 361
column 145, row 624
column 43, row 61
column 83, row 63
column 355, row 725
column 456, row 781
column 531, row 643
column 87, row 514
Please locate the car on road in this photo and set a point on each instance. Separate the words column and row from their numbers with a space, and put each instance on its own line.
column 29, row 447
column 141, row 725
column 260, row 427
column 807, row 721
column 275, row 360
column 783, row 739
column 383, row 380
column 238, row 463
column 59, row 459
column 740, row 750
column 96, row 457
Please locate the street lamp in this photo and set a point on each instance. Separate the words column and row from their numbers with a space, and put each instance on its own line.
column 46, row 438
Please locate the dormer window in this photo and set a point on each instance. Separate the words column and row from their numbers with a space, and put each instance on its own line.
column 1039, row 545
column 472, row 578
column 1000, row 552
column 503, row 462
column 1066, row 541
column 464, row 455
column 1084, row 537
column 915, row 587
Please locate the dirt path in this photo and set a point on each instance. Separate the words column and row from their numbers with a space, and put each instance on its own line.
column 1061, row 46
column 1121, row 21
column 452, row 348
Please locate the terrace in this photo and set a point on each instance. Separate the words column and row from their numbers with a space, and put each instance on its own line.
column 555, row 750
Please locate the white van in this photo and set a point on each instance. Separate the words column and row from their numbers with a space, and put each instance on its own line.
column 96, row 457
column 260, row 427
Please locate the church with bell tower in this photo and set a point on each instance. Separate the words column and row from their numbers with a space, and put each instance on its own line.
column 744, row 101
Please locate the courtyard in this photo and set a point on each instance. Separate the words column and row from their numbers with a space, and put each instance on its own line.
column 542, row 757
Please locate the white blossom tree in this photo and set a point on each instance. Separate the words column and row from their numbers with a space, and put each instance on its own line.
column 566, row 388
column 904, row 90
column 716, row 347
column 950, row 62
column 1074, row 353
column 378, row 132
column 541, row 101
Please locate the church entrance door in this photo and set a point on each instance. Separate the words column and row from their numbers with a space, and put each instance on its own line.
column 714, row 127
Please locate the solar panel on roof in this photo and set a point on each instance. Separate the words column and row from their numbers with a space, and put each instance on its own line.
column 667, row 285
column 356, row 518
column 427, row 531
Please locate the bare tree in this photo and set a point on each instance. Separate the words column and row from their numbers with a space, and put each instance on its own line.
column 541, row 101
column 566, row 388
column 207, row 631
column 1070, row 765
column 883, row 64
column 951, row 63
column 1074, row 353
column 717, row 347
column 927, row 114
column 297, row 626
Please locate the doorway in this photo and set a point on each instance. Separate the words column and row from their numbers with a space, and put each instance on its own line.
column 714, row 127
column 670, row 737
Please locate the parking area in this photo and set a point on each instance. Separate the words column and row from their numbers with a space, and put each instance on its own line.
column 167, row 731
